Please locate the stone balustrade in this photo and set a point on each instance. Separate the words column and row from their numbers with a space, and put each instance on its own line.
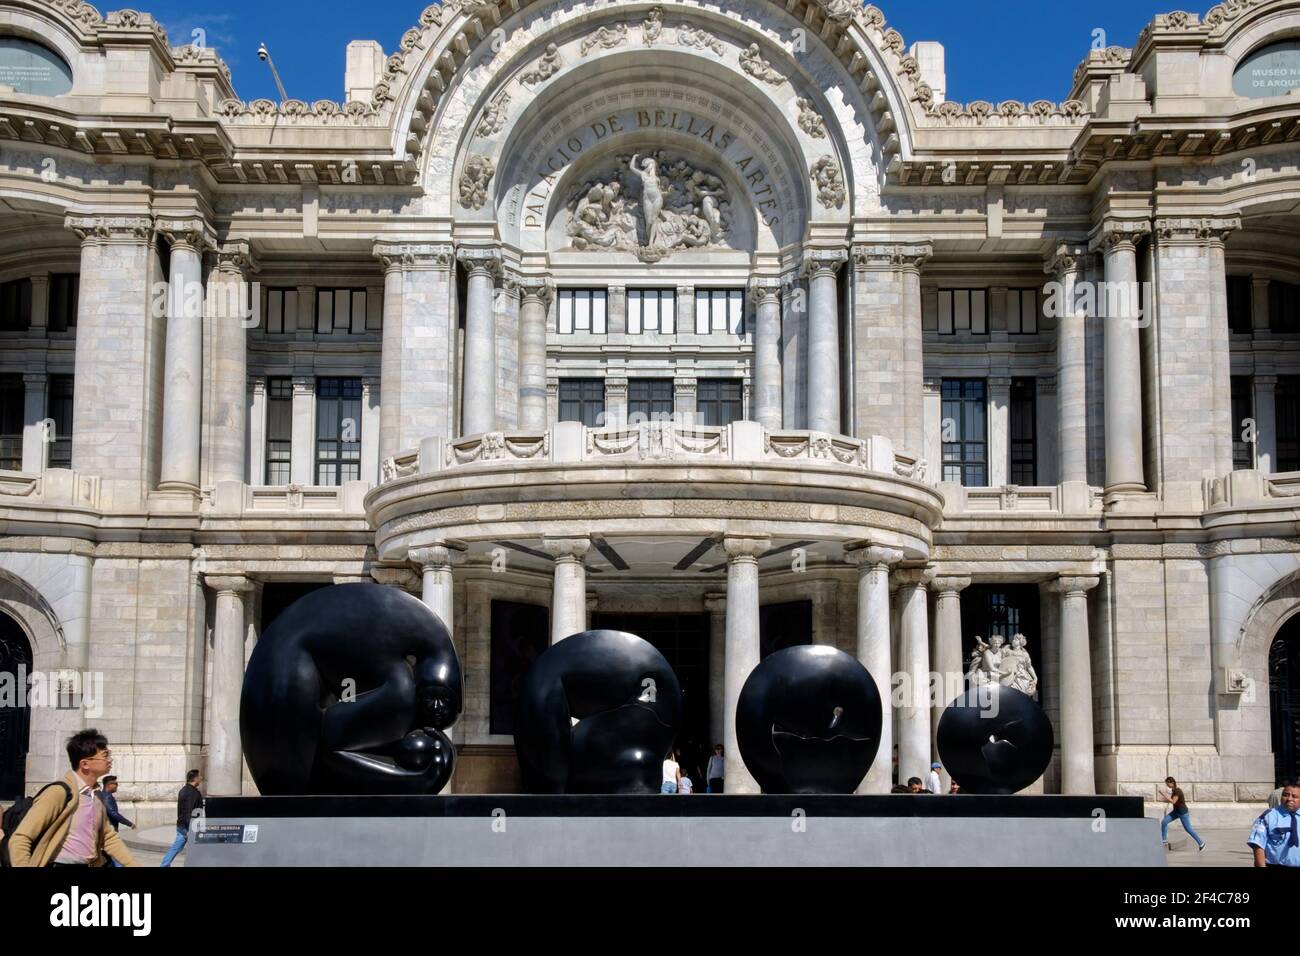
column 1067, row 498
column 56, row 487
column 235, row 498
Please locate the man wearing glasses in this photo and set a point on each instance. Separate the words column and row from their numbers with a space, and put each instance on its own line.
column 68, row 824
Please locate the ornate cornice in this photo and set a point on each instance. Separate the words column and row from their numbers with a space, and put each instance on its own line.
column 1196, row 231
column 111, row 228
column 891, row 257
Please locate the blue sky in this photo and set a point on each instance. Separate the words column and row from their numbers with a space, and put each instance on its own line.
column 1013, row 49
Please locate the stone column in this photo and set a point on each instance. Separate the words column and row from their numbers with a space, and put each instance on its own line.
column 535, row 296
column 436, row 579
column 569, row 597
column 1125, row 470
column 1265, row 411
column 36, row 453
column 257, row 431
column 183, row 368
column 1077, row 755
column 716, row 605
column 40, row 304
column 229, row 296
column 875, row 652
column 478, row 396
column 766, row 295
column 947, row 654
column 302, row 450
column 372, row 411
column 794, row 351
column 999, row 424
column 1066, row 267
column 914, row 651
column 225, row 752
column 418, row 368
column 911, row 259
column 742, row 647
column 821, row 266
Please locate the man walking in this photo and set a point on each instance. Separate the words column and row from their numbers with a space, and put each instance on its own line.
column 188, row 802
column 934, row 784
column 67, row 824
column 108, row 795
column 1275, row 837
column 713, row 774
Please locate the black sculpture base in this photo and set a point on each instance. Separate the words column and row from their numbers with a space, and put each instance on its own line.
column 661, row 830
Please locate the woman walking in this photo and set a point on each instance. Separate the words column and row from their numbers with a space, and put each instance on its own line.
column 1177, row 811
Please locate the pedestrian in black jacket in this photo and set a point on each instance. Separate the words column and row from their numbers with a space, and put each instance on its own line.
column 115, row 817
column 188, row 803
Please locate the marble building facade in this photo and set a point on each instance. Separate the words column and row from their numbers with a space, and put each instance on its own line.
column 713, row 318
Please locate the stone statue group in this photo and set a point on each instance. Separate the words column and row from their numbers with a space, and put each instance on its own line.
column 993, row 662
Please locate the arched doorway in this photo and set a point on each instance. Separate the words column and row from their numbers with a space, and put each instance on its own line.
column 15, row 716
column 1284, row 700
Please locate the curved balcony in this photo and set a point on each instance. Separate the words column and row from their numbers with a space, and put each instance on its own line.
column 651, row 497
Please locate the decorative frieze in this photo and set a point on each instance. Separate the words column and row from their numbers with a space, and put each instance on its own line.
column 546, row 67
column 1183, row 231
column 111, row 228
column 414, row 255
column 828, row 182
column 606, row 38
column 753, row 63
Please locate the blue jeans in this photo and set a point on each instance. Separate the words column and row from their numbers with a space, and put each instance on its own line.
column 177, row 845
column 1185, row 819
column 668, row 787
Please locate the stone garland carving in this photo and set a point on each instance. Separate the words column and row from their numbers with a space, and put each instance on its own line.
column 495, row 115
column 995, row 663
column 474, row 179
column 817, row 445
column 650, row 207
column 810, row 121
column 916, row 470
column 1228, row 11
column 393, row 468
column 606, row 38
column 652, row 27
column 657, row 441
column 546, row 67
column 825, row 174
column 699, row 38
column 752, row 62
column 496, row 446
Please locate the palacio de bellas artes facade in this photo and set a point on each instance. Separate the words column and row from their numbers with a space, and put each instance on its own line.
column 715, row 322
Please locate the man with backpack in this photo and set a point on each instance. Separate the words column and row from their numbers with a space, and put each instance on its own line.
column 66, row 823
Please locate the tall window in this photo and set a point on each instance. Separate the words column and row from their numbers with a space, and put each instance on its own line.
column 719, row 401
column 346, row 310
column 963, row 310
column 11, row 423
column 1283, row 307
column 279, row 431
column 281, row 311
column 651, row 310
column 64, row 289
column 338, row 430
column 1022, row 311
column 1024, row 432
column 965, row 432
column 1287, row 401
column 583, row 400
column 1241, row 319
column 581, row 310
column 649, row 400
column 16, row 305
column 719, row 310
column 60, row 411
column 1243, row 452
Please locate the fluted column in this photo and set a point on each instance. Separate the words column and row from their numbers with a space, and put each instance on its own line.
column 1077, row 752
column 874, row 651
column 436, row 579
column 479, row 403
column 229, row 297
column 1066, row 268
column 716, row 605
column 36, row 441
column 911, row 259
column 742, row 647
column 947, row 654
column 914, row 649
column 569, row 597
column 821, row 267
column 535, row 295
column 766, row 296
column 225, row 751
column 183, row 362
column 1125, row 469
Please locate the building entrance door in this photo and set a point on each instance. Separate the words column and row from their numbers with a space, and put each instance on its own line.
column 15, row 715
column 1284, row 700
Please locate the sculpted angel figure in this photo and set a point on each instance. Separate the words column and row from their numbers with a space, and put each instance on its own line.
column 652, row 196
column 1018, row 668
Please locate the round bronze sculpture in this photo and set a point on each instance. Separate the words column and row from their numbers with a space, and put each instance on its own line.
column 808, row 721
column 994, row 739
column 349, row 692
column 597, row 714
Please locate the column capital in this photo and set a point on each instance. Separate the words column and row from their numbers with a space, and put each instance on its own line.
column 567, row 548
column 892, row 257
column 1113, row 235
column 103, row 229
column 715, row 603
column 765, row 289
column 823, row 262
column 1264, row 381
column 407, row 256
column 235, row 258
column 1073, row 584
column 479, row 260
column 872, row 557
column 42, row 378
column 1180, row 231
column 914, row 577
column 403, row 579
column 228, row 583
column 539, row 289
column 188, row 232
column 1067, row 258
column 438, row 556
column 304, row 385
column 946, row 584
column 747, row 547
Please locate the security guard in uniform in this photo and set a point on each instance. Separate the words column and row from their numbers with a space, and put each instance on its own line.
column 1275, row 837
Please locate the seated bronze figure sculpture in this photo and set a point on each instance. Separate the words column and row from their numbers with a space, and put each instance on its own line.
column 994, row 739
column 349, row 692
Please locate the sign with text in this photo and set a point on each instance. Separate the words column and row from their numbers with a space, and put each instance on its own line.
column 1273, row 70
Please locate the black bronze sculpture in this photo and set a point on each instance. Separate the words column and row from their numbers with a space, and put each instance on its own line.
column 597, row 714
column 808, row 721
column 994, row 739
column 349, row 691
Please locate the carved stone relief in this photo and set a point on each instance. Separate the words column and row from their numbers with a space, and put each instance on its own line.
column 810, row 121
column 826, row 177
column 606, row 38
column 752, row 62
column 474, row 179
column 689, row 35
column 494, row 117
column 546, row 67
column 652, row 26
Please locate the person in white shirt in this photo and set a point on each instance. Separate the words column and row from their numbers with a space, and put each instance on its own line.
column 933, row 784
column 684, row 785
column 672, row 774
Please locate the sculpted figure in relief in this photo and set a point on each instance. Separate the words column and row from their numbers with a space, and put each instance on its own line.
column 810, row 121
column 474, row 179
column 825, row 174
column 546, row 67
column 995, row 663
column 652, row 26
column 752, row 62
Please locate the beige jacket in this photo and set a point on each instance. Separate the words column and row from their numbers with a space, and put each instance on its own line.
column 40, row 836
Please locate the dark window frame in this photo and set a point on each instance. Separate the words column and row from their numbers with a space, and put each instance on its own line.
column 650, row 400
column 279, row 431
column 1022, row 432
column 585, row 401
column 715, row 398
column 16, row 305
column 59, row 407
column 337, row 461
column 1243, row 452
column 966, row 460
column 12, row 416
